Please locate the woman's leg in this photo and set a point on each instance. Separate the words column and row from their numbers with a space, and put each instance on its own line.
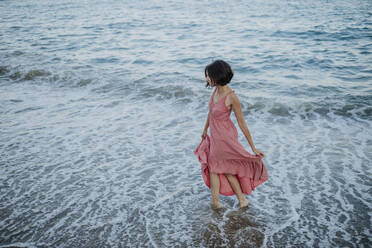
column 215, row 189
column 237, row 189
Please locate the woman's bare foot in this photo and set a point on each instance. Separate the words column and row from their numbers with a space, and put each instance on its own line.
column 216, row 205
column 243, row 203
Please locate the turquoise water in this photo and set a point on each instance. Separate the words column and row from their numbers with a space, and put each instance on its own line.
column 103, row 102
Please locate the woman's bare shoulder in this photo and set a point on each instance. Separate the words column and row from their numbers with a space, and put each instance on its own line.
column 233, row 97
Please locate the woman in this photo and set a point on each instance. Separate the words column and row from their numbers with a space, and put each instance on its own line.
column 227, row 168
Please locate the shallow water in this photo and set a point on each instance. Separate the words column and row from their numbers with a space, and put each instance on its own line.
column 103, row 102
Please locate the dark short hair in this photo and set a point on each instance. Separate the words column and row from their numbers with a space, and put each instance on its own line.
column 219, row 72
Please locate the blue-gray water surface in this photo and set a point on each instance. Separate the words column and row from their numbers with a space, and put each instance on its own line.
column 103, row 102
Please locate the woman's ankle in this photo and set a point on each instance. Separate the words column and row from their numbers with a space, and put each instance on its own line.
column 242, row 199
column 216, row 205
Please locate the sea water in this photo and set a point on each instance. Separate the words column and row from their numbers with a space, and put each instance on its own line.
column 103, row 102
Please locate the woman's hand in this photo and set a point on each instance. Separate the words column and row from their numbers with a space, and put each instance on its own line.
column 259, row 153
column 204, row 135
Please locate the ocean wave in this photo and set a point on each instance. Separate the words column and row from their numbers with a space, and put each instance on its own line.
column 40, row 76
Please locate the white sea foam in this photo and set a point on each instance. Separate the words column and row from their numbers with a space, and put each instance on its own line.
column 101, row 111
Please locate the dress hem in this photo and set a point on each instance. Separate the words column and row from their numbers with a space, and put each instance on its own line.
column 250, row 172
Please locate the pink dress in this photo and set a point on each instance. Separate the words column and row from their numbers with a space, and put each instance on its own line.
column 222, row 153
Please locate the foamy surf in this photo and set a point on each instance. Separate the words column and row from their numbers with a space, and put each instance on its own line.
column 101, row 110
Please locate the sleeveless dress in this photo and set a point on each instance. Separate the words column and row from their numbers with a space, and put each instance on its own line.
column 222, row 153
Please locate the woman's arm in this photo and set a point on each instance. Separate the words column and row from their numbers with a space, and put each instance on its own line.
column 240, row 118
column 207, row 123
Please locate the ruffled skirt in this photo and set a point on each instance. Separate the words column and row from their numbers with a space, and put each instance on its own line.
column 250, row 171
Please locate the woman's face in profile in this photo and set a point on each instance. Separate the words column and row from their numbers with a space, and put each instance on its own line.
column 209, row 80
